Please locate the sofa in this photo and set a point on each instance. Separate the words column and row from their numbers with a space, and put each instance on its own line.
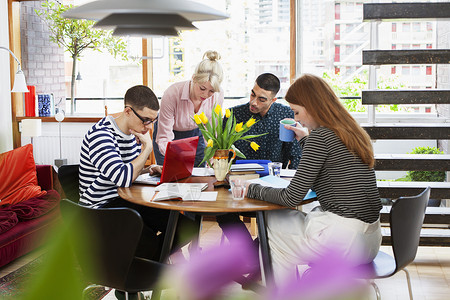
column 29, row 207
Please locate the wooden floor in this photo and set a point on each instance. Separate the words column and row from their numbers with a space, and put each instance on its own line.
column 430, row 272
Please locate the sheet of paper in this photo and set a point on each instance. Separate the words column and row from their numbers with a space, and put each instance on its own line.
column 181, row 187
column 147, row 179
column 203, row 172
column 247, row 167
column 272, row 181
column 287, row 172
column 204, row 196
column 276, row 182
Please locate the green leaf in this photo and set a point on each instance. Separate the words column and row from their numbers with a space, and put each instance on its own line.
column 238, row 152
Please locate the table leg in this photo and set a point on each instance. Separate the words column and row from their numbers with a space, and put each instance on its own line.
column 169, row 236
column 265, row 250
column 195, row 241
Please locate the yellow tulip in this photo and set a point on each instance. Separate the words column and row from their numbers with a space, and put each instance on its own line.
column 218, row 109
column 203, row 118
column 197, row 119
column 254, row 146
column 250, row 122
column 210, row 143
column 227, row 113
column 238, row 127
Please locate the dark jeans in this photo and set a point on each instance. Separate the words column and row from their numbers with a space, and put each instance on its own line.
column 178, row 135
column 155, row 225
column 231, row 222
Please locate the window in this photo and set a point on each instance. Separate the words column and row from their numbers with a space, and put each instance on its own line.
column 337, row 53
column 416, row 26
column 394, row 46
column 405, row 70
column 394, row 27
column 406, row 27
column 244, row 41
column 393, row 70
column 415, row 70
column 337, row 11
column 429, row 70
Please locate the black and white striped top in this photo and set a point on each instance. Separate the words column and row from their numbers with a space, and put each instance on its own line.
column 105, row 162
column 344, row 185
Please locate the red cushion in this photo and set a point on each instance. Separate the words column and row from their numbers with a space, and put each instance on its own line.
column 36, row 206
column 18, row 180
column 8, row 219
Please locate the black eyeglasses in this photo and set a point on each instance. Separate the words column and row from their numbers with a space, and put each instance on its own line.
column 145, row 121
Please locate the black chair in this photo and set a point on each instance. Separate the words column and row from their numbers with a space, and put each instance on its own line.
column 406, row 220
column 68, row 176
column 104, row 242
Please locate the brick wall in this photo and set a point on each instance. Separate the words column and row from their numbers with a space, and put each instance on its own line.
column 42, row 60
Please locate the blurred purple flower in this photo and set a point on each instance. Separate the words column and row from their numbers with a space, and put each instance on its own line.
column 330, row 277
column 210, row 270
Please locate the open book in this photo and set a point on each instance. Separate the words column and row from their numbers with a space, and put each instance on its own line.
column 183, row 191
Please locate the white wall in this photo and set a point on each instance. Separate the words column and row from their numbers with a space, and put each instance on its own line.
column 6, row 141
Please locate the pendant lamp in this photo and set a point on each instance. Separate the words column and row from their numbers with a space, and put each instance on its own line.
column 191, row 11
column 144, row 31
column 144, row 21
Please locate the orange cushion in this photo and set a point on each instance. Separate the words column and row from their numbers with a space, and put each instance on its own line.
column 18, row 179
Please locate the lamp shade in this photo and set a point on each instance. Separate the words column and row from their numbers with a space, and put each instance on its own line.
column 31, row 127
column 191, row 11
column 145, row 20
column 59, row 116
column 20, row 86
column 135, row 31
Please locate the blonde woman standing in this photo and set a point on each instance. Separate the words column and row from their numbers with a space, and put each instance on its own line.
column 184, row 99
column 337, row 162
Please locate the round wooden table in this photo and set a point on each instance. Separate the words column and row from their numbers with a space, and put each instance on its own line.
column 143, row 194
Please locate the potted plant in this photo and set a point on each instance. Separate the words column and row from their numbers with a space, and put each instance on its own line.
column 430, row 176
column 221, row 132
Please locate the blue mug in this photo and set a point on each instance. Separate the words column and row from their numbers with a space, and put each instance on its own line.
column 287, row 135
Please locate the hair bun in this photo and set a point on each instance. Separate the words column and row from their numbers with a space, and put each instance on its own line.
column 211, row 55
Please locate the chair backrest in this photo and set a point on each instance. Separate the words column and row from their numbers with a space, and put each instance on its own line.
column 68, row 176
column 406, row 220
column 104, row 241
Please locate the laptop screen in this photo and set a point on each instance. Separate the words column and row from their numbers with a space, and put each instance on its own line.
column 179, row 159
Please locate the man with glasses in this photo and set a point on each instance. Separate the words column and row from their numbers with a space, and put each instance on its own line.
column 113, row 153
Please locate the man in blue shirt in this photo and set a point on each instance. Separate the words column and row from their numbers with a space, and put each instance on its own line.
column 264, row 108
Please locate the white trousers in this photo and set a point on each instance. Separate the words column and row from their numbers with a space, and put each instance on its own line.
column 296, row 238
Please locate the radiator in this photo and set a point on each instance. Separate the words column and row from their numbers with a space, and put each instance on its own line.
column 47, row 146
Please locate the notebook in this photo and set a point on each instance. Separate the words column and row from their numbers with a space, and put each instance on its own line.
column 178, row 162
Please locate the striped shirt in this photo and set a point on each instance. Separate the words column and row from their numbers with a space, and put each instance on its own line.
column 343, row 183
column 105, row 162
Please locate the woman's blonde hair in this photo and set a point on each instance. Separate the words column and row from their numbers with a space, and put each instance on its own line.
column 322, row 104
column 210, row 70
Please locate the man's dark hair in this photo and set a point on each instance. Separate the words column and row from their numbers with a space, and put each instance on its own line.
column 141, row 96
column 269, row 82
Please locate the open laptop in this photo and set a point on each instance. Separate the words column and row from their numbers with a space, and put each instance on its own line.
column 178, row 162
